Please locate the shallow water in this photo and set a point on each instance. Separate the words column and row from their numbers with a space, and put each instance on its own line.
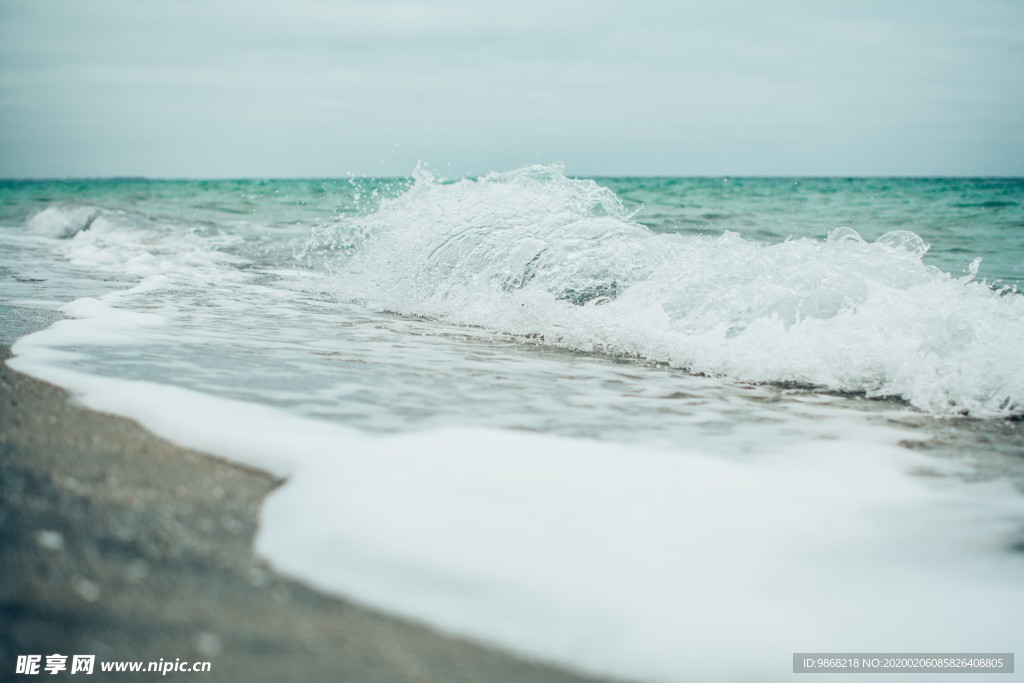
column 797, row 349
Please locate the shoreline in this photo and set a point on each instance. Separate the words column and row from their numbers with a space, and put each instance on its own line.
column 117, row 543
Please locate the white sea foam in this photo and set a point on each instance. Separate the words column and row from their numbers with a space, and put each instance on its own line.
column 649, row 564
column 135, row 247
column 535, row 253
column 654, row 565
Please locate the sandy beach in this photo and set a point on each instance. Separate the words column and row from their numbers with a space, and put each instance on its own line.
column 119, row 544
column 532, row 341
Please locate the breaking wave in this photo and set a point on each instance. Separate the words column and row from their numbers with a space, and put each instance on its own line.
column 534, row 253
column 63, row 220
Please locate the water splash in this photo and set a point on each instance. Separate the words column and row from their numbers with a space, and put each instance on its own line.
column 535, row 253
column 63, row 221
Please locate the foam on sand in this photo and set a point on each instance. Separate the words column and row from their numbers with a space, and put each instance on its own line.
column 638, row 562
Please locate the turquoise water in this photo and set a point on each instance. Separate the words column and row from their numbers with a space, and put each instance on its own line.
column 962, row 218
column 317, row 236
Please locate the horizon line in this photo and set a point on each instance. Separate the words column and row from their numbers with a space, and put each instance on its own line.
column 603, row 176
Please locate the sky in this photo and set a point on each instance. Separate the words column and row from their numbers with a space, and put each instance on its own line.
column 233, row 88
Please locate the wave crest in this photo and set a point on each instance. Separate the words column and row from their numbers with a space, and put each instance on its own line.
column 63, row 221
column 532, row 252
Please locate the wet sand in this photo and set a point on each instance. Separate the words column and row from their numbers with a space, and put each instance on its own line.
column 116, row 543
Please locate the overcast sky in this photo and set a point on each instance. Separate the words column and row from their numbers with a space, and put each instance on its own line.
column 302, row 88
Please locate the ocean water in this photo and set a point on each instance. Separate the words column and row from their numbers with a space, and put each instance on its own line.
column 622, row 424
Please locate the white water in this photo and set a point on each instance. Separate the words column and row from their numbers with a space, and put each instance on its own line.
column 535, row 253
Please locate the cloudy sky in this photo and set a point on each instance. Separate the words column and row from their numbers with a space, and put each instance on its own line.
column 315, row 88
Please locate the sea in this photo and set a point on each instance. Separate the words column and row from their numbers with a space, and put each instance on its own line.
column 655, row 429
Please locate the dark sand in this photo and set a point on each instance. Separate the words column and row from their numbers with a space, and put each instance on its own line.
column 116, row 543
